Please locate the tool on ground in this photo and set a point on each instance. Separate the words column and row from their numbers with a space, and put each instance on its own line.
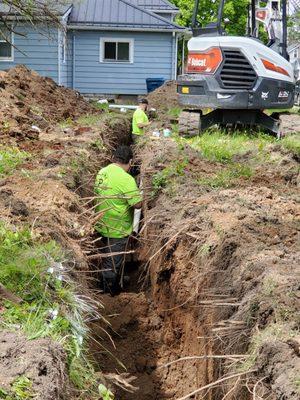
column 238, row 77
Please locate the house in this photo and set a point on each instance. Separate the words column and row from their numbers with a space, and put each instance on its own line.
column 294, row 53
column 101, row 46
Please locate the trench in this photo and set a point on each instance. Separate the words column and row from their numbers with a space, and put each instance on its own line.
column 145, row 330
column 143, row 336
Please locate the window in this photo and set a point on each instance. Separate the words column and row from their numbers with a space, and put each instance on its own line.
column 116, row 50
column 6, row 44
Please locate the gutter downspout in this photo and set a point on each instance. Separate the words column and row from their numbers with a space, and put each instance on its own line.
column 74, row 61
column 173, row 73
column 176, row 54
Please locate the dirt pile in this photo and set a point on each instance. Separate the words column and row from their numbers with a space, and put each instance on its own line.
column 165, row 97
column 41, row 361
column 30, row 103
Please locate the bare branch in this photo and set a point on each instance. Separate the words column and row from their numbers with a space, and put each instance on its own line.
column 210, row 385
column 217, row 357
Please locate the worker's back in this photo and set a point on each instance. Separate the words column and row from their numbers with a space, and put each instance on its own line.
column 117, row 193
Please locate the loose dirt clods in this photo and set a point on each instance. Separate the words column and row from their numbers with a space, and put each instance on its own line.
column 213, row 311
column 31, row 103
column 32, row 368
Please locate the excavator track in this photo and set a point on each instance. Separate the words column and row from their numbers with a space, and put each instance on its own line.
column 189, row 123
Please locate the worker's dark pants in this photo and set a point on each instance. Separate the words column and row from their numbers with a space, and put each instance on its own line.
column 113, row 264
column 135, row 138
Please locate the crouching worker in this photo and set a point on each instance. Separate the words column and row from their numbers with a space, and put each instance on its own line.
column 118, row 196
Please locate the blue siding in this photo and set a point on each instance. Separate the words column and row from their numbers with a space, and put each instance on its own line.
column 38, row 50
column 153, row 57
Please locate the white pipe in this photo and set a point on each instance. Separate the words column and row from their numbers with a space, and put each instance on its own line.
column 120, row 106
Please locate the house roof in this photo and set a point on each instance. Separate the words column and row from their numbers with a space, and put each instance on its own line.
column 163, row 5
column 119, row 14
column 59, row 7
column 293, row 47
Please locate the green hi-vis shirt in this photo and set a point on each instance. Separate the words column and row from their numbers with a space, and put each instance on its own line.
column 139, row 117
column 118, row 193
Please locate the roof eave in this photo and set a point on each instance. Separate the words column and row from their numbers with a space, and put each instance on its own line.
column 85, row 26
column 164, row 11
column 14, row 16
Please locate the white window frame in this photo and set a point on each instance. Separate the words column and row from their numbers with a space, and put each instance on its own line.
column 9, row 59
column 116, row 40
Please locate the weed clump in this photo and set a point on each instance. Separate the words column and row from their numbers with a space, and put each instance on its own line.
column 10, row 159
column 167, row 176
column 292, row 143
column 227, row 177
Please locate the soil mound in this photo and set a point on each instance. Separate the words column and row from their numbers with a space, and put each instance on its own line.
column 30, row 103
column 41, row 361
column 165, row 97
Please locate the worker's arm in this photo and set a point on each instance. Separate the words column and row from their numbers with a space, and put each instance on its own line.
column 142, row 125
column 134, row 196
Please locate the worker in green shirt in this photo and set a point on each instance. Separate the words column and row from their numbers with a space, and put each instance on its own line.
column 118, row 196
column 140, row 120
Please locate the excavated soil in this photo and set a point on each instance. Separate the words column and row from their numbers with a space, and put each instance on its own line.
column 28, row 100
column 42, row 361
column 216, row 268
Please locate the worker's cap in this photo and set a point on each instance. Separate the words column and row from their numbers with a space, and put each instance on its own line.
column 143, row 101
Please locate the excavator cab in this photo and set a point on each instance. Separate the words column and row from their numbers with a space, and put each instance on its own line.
column 237, row 77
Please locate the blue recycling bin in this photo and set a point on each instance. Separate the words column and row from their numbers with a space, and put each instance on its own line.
column 154, row 83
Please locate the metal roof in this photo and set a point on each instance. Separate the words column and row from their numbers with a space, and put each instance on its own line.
column 163, row 5
column 118, row 14
column 59, row 7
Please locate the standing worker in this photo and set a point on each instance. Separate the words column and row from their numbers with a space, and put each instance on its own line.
column 140, row 120
column 118, row 196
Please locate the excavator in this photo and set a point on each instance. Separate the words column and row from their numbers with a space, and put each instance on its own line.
column 230, row 80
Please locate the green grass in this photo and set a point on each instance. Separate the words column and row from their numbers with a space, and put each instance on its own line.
column 165, row 177
column 36, row 272
column 10, row 159
column 21, row 389
column 273, row 332
column 222, row 147
column 89, row 120
column 67, row 123
column 227, row 177
column 292, row 143
column 100, row 106
column 174, row 112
